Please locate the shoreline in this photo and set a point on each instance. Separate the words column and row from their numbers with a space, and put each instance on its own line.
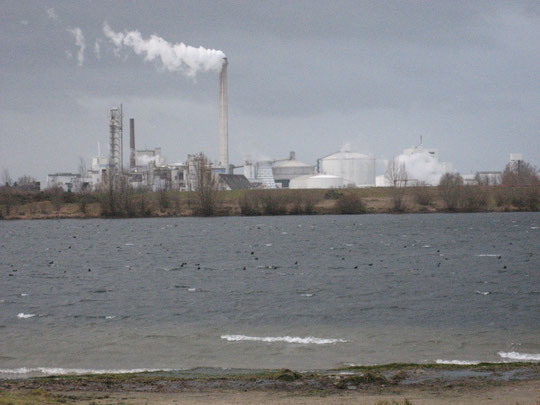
column 169, row 216
column 418, row 383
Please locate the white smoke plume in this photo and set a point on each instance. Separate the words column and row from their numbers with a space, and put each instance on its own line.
column 423, row 167
column 52, row 15
column 97, row 49
column 173, row 57
column 79, row 41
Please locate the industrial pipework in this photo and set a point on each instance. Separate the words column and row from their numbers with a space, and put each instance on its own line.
column 116, row 141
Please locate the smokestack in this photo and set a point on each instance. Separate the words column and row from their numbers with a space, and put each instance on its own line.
column 132, row 143
column 223, row 117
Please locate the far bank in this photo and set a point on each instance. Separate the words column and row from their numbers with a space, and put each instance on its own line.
column 132, row 203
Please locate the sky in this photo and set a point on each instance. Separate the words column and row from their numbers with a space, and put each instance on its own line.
column 309, row 76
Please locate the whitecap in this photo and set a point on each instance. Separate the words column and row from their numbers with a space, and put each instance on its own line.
column 110, row 317
column 482, row 292
column 66, row 371
column 520, row 356
column 22, row 315
column 268, row 244
column 456, row 362
column 486, row 255
column 192, row 289
column 24, row 295
column 286, row 339
column 306, row 295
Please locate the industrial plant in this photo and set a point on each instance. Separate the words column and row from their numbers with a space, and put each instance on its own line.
column 148, row 168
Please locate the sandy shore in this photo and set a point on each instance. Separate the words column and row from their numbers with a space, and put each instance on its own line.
column 516, row 383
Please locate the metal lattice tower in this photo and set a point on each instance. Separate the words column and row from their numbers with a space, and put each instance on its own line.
column 116, row 139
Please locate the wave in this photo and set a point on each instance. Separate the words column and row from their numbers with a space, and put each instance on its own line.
column 456, row 362
column 286, row 339
column 22, row 315
column 79, row 371
column 520, row 356
column 482, row 292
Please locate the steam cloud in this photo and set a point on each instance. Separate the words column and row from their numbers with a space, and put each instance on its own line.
column 52, row 15
column 97, row 49
column 173, row 57
column 424, row 167
column 79, row 41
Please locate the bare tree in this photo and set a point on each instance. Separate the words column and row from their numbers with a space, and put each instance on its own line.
column 206, row 187
column 6, row 178
column 6, row 193
column 25, row 181
column 520, row 173
column 110, row 202
column 79, row 187
column 396, row 175
column 423, row 194
column 451, row 190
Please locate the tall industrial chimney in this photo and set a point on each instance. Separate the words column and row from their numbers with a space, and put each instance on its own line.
column 132, row 143
column 223, row 118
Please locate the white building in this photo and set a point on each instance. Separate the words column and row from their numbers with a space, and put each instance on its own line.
column 260, row 173
column 66, row 181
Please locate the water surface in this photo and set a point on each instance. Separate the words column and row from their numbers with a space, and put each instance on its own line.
column 302, row 292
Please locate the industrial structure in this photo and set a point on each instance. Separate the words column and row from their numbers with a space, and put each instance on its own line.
column 116, row 144
column 149, row 169
column 223, row 118
column 356, row 169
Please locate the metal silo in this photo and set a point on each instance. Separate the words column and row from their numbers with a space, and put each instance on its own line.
column 355, row 168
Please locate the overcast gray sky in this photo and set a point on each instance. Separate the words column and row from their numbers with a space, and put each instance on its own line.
column 307, row 76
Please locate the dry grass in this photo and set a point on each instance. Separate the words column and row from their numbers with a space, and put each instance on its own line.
column 277, row 202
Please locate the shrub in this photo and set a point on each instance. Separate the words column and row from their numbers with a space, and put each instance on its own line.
column 332, row 194
column 423, row 195
column 248, row 205
column 273, row 202
column 503, row 196
column 450, row 190
column 475, row 198
column 350, row 203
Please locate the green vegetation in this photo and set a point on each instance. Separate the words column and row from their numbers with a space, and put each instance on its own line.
column 32, row 397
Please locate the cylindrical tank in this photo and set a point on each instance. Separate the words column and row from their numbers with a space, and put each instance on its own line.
column 316, row 181
column 355, row 168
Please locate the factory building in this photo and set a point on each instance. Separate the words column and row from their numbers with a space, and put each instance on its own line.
column 260, row 173
column 356, row 169
column 66, row 181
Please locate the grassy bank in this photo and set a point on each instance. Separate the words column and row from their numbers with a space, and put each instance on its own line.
column 57, row 204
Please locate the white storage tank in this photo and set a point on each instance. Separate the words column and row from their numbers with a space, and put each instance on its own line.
column 287, row 169
column 317, row 181
column 355, row 168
